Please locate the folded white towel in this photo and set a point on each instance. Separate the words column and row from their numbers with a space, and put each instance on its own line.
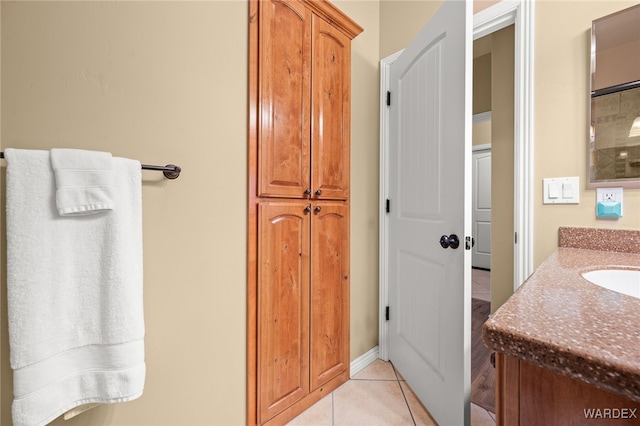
column 83, row 181
column 74, row 285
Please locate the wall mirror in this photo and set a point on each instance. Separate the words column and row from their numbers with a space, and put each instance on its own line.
column 614, row 145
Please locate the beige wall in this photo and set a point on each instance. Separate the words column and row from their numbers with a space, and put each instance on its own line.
column 502, row 169
column 481, row 133
column 482, row 84
column 561, row 117
column 163, row 82
column 401, row 21
column 479, row 5
column 365, row 124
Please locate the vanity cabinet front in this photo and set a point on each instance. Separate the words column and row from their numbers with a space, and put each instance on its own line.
column 530, row 395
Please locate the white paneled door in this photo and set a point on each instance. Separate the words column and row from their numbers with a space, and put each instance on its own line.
column 429, row 274
column 481, row 213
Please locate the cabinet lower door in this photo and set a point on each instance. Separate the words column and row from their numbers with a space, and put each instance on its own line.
column 329, row 329
column 283, row 306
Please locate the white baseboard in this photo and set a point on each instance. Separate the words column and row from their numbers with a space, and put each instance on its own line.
column 363, row 361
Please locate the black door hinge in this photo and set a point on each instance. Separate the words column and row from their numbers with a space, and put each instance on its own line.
column 388, row 206
column 386, row 313
column 388, row 98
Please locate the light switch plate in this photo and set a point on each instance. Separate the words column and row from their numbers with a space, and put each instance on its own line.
column 564, row 190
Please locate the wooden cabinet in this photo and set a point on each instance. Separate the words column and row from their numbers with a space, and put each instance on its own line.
column 527, row 394
column 304, row 104
column 299, row 149
column 303, row 300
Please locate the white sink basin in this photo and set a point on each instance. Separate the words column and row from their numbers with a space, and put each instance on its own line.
column 621, row 280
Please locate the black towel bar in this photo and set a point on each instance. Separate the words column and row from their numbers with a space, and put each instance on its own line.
column 170, row 171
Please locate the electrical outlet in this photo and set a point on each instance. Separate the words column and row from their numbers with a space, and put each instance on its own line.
column 609, row 203
column 609, row 195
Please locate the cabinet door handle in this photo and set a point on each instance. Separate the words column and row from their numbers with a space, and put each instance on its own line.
column 318, row 209
column 307, row 209
column 319, row 192
column 307, row 192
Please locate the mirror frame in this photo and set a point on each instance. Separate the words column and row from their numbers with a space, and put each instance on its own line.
column 617, row 182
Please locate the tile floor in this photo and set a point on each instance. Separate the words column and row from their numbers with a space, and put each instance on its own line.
column 378, row 395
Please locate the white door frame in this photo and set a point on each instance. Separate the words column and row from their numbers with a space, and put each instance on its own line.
column 492, row 19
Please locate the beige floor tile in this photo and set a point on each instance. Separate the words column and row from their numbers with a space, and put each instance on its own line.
column 319, row 414
column 481, row 417
column 398, row 374
column 368, row 402
column 420, row 414
column 377, row 370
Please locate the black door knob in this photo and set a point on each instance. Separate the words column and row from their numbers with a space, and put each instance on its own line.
column 454, row 241
column 450, row 241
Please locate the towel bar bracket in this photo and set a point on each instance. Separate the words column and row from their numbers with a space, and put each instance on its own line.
column 172, row 174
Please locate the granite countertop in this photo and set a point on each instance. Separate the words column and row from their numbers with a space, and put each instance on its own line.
column 561, row 321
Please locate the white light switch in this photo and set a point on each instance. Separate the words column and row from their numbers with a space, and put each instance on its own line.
column 561, row 190
column 567, row 190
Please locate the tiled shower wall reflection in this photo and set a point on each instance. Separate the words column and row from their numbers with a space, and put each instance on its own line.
column 615, row 154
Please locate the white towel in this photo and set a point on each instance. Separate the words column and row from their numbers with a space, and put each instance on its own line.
column 83, row 181
column 76, row 327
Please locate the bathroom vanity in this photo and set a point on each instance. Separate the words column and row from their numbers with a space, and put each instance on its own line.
column 568, row 350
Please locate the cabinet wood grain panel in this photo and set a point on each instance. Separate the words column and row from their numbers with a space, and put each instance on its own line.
column 285, row 54
column 283, row 305
column 507, row 390
column 331, row 115
column 529, row 395
column 329, row 336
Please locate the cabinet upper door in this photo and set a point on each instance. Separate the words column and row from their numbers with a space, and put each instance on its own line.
column 330, row 111
column 284, row 99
